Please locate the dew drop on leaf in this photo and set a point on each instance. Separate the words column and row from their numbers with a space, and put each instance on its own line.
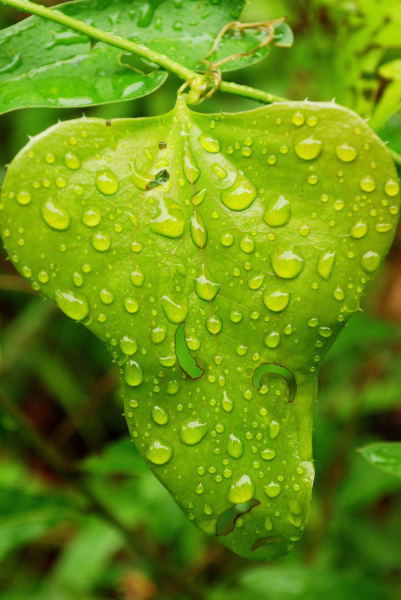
column 346, row 152
column 241, row 490
column 159, row 452
column 278, row 212
column 107, row 183
column 287, row 263
column 72, row 304
column 308, row 148
column 133, row 375
column 193, row 431
column 55, row 216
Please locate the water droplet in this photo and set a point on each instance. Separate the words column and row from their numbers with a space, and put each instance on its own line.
column 171, row 221
column 308, row 149
column 227, row 239
column 272, row 489
column 370, row 261
column 77, row 279
column 131, row 305
column 43, row 276
column 278, row 212
column 107, row 183
column 234, row 446
column 92, row 217
column 55, row 216
column 236, row 316
column 241, row 490
column 192, row 432
column 247, row 244
column 199, row 197
column 272, row 340
column 73, row 305
column 383, row 227
column 27, row 272
column 175, row 312
column 276, row 300
column 206, row 289
column 128, row 345
column 345, row 152
column 209, row 143
column 392, row 188
column 190, row 169
column 158, row 335
column 298, row 119
column 101, row 241
column 106, row 296
column 367, row 184
column 274, row 429
column 240, row 195
column 267, row 454
column 24, row 198
column 226, row 404
column 198, row 231
column 326, row 263
column 214, row 325
column 339, row 294
column 359, row 230
column 287, row 263
column 72, row 161
column 133, row 375
column 137, row 277
column 159, row 415
column 159, row 452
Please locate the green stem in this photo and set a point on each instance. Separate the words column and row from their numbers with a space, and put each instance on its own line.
column 139, row 49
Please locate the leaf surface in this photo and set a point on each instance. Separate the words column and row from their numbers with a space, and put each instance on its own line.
column 254, row 235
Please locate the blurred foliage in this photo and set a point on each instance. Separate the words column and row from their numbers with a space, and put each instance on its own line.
column 81, row 517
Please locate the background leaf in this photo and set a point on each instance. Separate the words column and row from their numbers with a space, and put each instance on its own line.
column 384, row 456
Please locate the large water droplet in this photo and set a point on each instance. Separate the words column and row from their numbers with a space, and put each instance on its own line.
column 24, row 197
column 240, row 195
column 359, row 230
column 174, row 311
column 392, row 188
column 214, row 325
column 276, row 300
column 367, row 184
column 206, row 289
column 287, row 263
column 272, row 489
column 55, row 216
column 101, row 241
column 370, row 261
column 272, row 340
column 107, row 183
column 198, row 231
column 72, row 304
column 190, row 169
column 170, row 222
column 234, row 446
column 326, row 263
column 133, row 375
column 345, row 152
column 159, row 452
column 128, row 345
column 241, row 490
column 309, row 148
column 192, row 432
column 267, row 454
column 72, row 161
column 278, row 212
column 137, row 277
column 92, row 217
column 159, row 415
column 209, row 143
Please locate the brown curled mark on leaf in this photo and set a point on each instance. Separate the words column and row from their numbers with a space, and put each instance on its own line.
column 273, row 369
column 226, row 521
column 272, row 539
column 160, row 178
column 162, row 145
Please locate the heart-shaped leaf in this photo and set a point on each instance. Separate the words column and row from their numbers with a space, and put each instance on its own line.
column 45, row 64
column 218, row 256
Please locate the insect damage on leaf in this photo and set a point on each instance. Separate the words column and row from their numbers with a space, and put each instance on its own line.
column 218, row 291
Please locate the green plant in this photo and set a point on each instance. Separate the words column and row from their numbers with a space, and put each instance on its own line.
column 218, row 256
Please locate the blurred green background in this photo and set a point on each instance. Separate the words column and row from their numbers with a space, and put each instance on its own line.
column 81, row 516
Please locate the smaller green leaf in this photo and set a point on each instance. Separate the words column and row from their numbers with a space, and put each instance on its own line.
column 385, row 456
column 283, row 35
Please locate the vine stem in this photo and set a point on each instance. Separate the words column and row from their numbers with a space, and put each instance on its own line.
column 139, row 49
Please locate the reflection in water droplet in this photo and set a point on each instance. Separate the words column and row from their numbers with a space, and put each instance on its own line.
column 241, row 490
column 133, row 375
column 159, row 452
column 192, row 432
column 326, row 263
column 276, row 300
column 345, row 152
column 240, row 195
column 174, row 311
column 370, row 261
column 73, row 305
column 278, row 212
column 55, row 216
column 209, row 143
column 234, row 446
column 287, row 263
column 308, row 149
column 107, row 182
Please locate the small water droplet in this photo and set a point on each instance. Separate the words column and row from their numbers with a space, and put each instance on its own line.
column 158, row 335
column 367, row 184
column 106, row 296
column 24, row 198
column 159, row 415
column 308, row 149
column 272, row 489
column 241, row 490
column 55, row 216
column 174, row 311
column 234, row 446
column 199, row 197
column 101, row 241
column 209, row 143
column 137, row 277
column 298, row 119
column 190, row 169
column 272, row 340
column 346, row 152
column 247, row 244
column 128, row 345
column 198, row 231
column 276, row 300
column 274, row 429
column 359, row 230
column 107, row 183
column 370, row 261
column 73, row 305
column 72, row 161
column 227, row 239
column 131, row 305
column 206, row 289
column 171, row 221
column 392, row 188
column 278, row 212
column 92, row 217
column 326, row 263
column 192, row 432
column 133, row 375
column 267, row 454
column 383, row 227
column 226, row 404
column 214, row 325
column 159, row 452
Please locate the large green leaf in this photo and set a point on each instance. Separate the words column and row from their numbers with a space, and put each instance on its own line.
column 45, row 64
column 218, row 256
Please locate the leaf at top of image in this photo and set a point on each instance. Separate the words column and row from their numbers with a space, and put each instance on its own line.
column 46, row 64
